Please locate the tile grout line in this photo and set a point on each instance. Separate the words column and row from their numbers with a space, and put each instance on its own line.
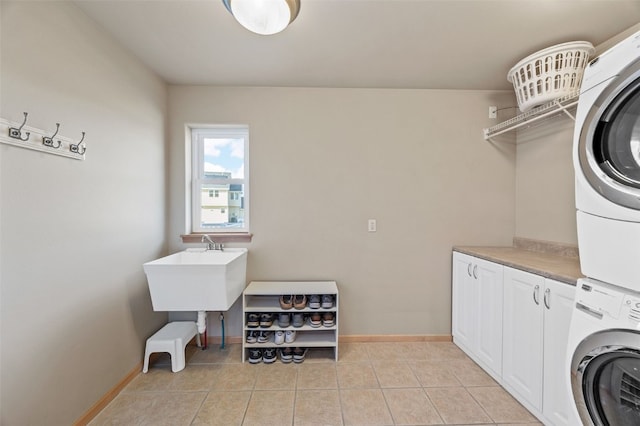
column 195, row 415
column 384, row 397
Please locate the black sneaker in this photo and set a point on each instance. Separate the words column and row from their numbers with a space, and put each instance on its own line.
column 269, row 355
column 264, row 336
column 266, row 320
column 253, row 320
column 299, row 354
column 255, row 355
column 286, row 355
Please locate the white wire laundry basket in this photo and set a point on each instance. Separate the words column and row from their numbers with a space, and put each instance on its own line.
column 549, row 74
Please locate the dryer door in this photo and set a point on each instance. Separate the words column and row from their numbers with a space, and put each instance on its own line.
column 609, row 145
column 605, row 378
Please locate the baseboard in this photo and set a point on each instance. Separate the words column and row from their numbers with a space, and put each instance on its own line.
column 111, row 394
column 227, row 339
column 394, row 338
column 361, row 338
column 108, row 397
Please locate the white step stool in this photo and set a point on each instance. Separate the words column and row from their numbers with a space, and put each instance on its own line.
column 172, row 338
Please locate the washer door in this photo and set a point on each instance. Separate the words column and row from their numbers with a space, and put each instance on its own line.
column 605, row 378
column 609, row 145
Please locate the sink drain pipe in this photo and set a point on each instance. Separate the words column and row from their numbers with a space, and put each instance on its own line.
column 202, row 327
column 222, row 327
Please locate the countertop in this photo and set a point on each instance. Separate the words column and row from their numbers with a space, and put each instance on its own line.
column 565, row 269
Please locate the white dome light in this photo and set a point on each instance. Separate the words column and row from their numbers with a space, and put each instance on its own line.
column 264, row 17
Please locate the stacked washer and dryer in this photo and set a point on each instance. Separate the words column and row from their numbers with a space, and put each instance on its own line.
column 604, row 337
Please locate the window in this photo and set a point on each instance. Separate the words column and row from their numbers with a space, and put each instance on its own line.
column 220, row 179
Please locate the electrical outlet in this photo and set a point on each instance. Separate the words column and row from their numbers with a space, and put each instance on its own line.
column 371, row 225
column 493, row 112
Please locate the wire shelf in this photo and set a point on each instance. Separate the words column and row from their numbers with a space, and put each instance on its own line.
column 559, row 105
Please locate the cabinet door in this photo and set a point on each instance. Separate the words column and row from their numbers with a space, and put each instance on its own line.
column 523, row 328
column 489, row 327
column 558, row 302
column 464, row 307
column 477, row 309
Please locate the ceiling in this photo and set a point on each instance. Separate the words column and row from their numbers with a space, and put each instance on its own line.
column 432, row 44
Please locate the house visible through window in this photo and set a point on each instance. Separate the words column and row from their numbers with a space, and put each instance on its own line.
column 219, row 179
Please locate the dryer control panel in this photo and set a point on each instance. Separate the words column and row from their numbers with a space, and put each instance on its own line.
column 598, row 299
column 631, row 309
column 602, row 300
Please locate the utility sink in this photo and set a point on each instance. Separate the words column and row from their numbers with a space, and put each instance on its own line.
column 197, row 279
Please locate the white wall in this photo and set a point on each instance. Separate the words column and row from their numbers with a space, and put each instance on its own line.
column 323, row 161
column 545, row 195
column 75, row 309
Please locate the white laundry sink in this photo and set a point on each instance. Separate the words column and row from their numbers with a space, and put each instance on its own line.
column 197, row 279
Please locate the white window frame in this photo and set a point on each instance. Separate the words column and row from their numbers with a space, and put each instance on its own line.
column 198, row 134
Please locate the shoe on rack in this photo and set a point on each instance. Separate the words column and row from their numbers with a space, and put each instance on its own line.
column 289, row 336
column 269, row 355
column 298, row 319
column 286, row 355
column 252, row 337
column 315, row 319
column 279, row 337
column 314, row 301
column 255, row 355
column 264, row 336
column 328, row 319
column 266, row 320
column 286, row 302
column 253, row 320
column 299, row 354
column 284, row 320
column 300, row 301
column 327, row 301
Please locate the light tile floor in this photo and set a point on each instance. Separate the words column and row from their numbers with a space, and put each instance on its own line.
column 417, row 383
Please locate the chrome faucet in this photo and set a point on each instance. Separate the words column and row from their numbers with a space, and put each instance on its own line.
column 211, row 245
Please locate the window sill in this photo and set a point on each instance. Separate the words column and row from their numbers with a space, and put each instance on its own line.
column 240, row 237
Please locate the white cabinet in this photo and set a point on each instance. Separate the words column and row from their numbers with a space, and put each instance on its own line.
column 556, row 401
column 477, row 309
column 537, row 314
column 522, row 346
column 263, row 297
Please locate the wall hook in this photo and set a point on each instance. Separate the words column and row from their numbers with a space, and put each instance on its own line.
column 17, row 133
column 48, row 141
column 76, row 148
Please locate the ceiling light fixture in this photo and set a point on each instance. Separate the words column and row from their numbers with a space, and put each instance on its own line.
column 263, row 17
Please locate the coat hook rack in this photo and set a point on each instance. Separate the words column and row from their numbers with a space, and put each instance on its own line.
column 76, row 148
column 25, row 136
column 48, row 140
column 16, row 133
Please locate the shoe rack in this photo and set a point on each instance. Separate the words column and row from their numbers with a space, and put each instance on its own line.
column 263, row 297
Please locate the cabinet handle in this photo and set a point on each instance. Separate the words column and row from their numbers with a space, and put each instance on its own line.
column 536, row 294
column 547, row 294
column 469, row 269
column 475, row 271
